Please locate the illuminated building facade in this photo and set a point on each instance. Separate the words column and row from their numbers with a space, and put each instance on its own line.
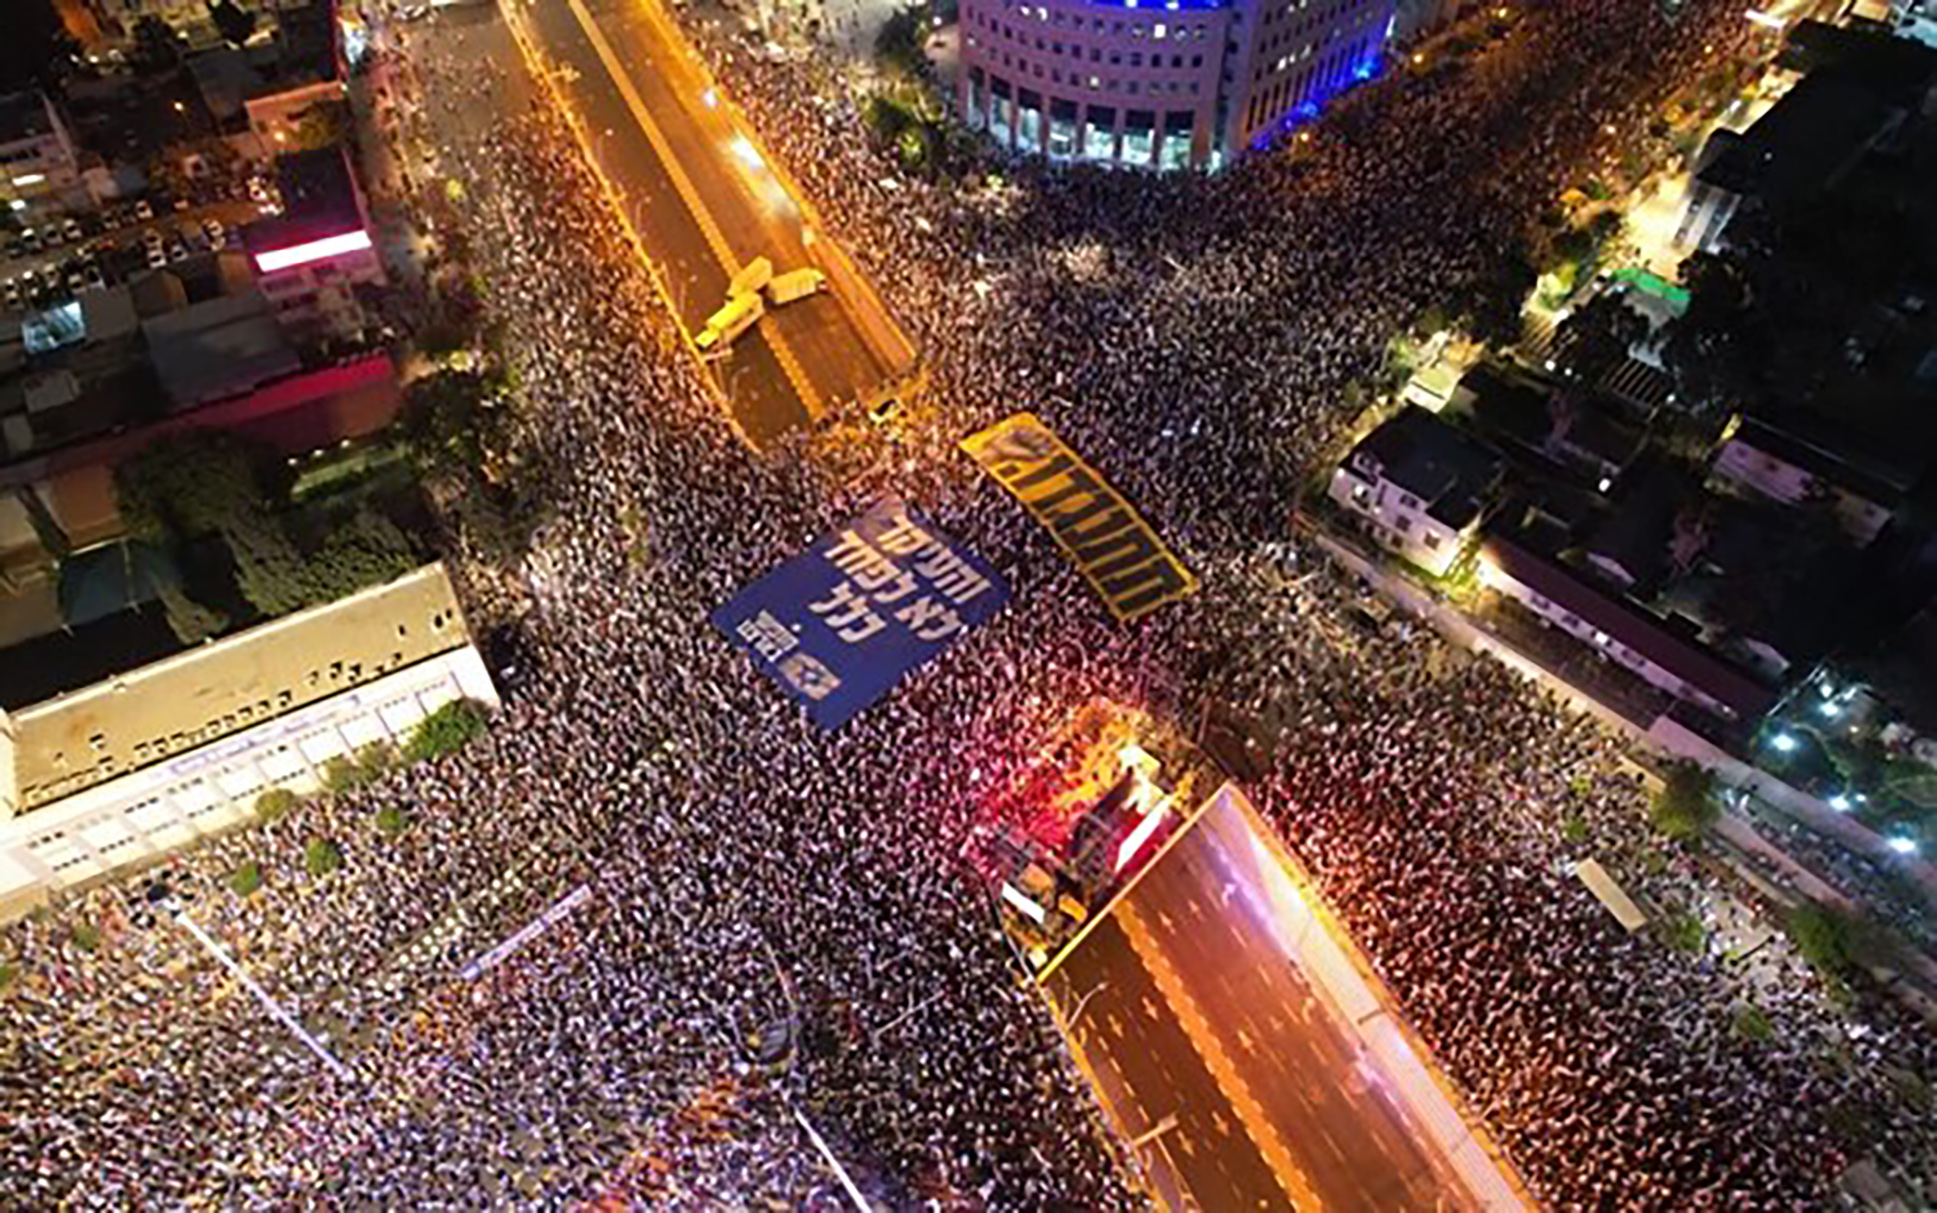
column 310, row 259
column 39, row 163
column 1160, row 83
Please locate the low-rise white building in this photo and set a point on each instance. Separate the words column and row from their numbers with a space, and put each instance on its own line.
column 1667, row 657
column 125, row 769
column 1420, row 486
column 310, row 260
column 1787, row 467
column 40, row 166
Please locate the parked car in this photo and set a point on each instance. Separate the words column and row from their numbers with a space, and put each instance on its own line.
column 144, row 210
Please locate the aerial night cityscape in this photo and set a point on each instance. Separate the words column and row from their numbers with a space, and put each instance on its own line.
column 968, row 605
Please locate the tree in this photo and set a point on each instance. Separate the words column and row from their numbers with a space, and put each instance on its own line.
column 1752, row 1025
column 392, row 822
column 246, row 878
column 1684, row 807
column 1598, row 334
column 447, row 420
column 1709, row 350
column 269, row 570
column 446, row 730
column 897, row 47
column 1492, row 303
column 158, row 47
column 188, row 484
column 322, row 857
column 365, row 551
column 1835, row 942
column 325, row 124
column 275, row 803
column 886, row 118
column 191, row 622
column 233, row 23
column 206, row 481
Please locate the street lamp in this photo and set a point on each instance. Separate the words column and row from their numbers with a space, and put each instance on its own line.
column 1084, row 1002
column 160, row 896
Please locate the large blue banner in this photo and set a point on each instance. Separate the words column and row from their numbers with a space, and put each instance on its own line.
column 838, row 625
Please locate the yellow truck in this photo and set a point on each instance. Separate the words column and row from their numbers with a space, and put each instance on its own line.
column 723, row 326
column 784, row 288
column 752, row 278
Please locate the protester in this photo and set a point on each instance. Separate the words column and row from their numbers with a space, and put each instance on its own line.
column 1193, row 338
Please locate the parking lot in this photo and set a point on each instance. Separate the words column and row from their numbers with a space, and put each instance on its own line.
column 60, row 257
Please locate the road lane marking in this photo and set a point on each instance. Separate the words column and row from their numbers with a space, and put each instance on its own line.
column 1197, row 1029
column 709, row 227
column 535, row 65
column 873, row 322
column 1123, row 894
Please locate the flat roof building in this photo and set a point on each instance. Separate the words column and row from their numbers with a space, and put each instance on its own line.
column 1160, row 84
column 119, row 770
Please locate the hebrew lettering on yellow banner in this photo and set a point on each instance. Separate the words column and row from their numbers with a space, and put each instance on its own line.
column 1111, row 545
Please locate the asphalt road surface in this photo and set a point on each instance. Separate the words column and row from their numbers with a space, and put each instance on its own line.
column 704, row 202
column 1204, row 1036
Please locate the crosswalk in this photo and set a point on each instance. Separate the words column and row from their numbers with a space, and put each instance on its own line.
column 1637, row 383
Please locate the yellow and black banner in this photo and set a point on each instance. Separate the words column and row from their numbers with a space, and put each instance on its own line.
column 1112, row 546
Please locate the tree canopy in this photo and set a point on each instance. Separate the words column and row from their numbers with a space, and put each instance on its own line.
column 234, row 23
column 1684, row 806
column 1599, row 333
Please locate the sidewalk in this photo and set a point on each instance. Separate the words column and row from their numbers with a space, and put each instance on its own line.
column 1663, row 738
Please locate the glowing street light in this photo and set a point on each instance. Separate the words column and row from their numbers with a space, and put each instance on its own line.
column 747, row 154
column 1903, row 846
column 1840, row 803
column 1784, row 743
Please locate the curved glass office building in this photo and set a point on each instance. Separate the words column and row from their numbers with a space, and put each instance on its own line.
column 1160, row 83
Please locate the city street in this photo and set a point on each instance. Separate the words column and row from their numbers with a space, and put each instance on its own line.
column 704, row 202
column 1239, row 1071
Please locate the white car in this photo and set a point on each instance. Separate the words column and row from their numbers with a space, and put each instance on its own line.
column 144, row 210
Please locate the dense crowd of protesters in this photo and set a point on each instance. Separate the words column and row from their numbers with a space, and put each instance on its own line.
column 750, row 876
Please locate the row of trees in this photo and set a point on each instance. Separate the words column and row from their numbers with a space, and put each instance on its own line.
column 446, row 730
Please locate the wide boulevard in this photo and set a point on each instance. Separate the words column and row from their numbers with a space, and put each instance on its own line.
column 704, row 200
column 1242, row 1081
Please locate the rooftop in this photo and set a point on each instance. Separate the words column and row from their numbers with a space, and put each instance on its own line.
column 1883, row 478
column 1657, row 639
column 1900, row 70
column 143, row 716
column 319, row 197
column 1806, row 140
column 1433, row 460
column 221, row 347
